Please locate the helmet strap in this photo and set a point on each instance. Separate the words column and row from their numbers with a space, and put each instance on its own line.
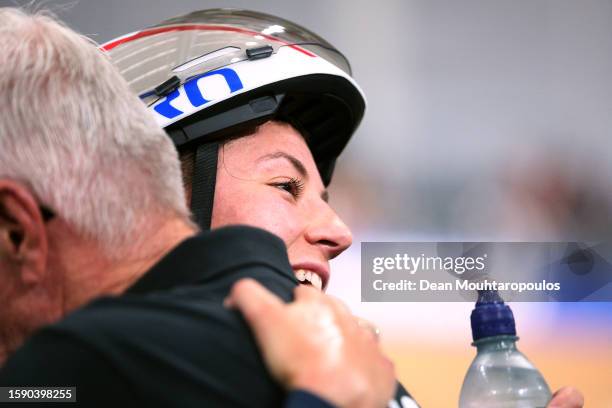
column 203, row 185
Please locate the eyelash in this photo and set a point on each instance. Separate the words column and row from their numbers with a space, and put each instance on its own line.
column 293, row 186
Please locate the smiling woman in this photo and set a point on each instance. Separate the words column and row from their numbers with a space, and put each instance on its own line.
column 269, row 179
column 259, row 124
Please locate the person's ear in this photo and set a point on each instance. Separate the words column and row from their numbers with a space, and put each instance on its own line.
column 23, row 236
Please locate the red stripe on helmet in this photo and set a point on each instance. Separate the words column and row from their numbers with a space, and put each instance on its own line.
column 193, row 27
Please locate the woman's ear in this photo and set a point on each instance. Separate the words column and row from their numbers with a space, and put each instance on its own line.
column 23, row 234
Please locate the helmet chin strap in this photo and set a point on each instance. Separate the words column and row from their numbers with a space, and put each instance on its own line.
column 204, row 181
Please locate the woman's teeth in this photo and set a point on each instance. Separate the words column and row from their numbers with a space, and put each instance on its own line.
column 303, row 275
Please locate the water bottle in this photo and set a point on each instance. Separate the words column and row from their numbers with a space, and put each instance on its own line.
column 500, row 376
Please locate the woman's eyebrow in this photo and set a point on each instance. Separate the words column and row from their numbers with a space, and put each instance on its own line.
column 299, row 166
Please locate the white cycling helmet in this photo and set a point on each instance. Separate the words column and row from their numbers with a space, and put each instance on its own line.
column 209, row 73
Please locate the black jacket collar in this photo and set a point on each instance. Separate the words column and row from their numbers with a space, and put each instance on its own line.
column 207, row 255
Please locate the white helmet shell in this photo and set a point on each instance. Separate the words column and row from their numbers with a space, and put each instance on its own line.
column 193, row 68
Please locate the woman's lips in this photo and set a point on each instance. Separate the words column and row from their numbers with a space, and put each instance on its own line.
column 303, row 276
column 314, row 274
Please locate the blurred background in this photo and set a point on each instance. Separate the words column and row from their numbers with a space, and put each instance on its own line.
column 487, row 120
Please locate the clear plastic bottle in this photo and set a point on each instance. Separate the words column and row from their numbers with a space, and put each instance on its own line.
column 500, row 376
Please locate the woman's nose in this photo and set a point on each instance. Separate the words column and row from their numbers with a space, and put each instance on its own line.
column 330, row 233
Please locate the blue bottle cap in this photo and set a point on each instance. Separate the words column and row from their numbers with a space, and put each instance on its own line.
column 491, row 317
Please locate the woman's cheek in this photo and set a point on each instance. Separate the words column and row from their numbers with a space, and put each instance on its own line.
column 280, row 218
column 264, row 211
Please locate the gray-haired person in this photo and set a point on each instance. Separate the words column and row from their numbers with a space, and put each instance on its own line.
column 92, row 207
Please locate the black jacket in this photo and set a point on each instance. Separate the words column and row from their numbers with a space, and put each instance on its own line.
column 168, row 340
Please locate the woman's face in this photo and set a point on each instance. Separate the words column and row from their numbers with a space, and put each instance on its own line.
column 270, row 180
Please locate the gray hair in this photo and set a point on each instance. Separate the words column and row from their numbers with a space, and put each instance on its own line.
column 71, row 129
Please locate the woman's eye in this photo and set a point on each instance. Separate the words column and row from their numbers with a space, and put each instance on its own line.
column 293, row 187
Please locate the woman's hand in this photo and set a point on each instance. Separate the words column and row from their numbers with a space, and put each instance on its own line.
column 567, row 397
column 315, row 344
